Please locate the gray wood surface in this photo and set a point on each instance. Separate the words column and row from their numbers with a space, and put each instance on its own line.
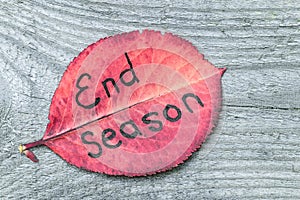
column 254, row 153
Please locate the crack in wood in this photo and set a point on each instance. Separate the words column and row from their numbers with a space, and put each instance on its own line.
column 260, row 107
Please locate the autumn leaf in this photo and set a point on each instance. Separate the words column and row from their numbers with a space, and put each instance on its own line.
column 133, row 104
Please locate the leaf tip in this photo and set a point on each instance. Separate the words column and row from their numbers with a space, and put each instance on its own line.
column 222, row 70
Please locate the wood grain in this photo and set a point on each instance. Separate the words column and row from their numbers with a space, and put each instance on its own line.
column 254, row 153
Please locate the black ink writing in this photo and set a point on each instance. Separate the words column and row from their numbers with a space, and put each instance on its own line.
column 130, row 135
column 128, row 74
column 106, row 138
column 134, row 77
column 83, row 139
column 166, row 113
column 130, row 130
column 113, row 82
column 146, row 120
column 184, row 97
column 82, row 89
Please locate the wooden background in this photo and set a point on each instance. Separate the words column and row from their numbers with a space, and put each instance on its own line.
column 254, row 153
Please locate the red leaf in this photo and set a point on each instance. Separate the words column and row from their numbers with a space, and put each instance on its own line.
column 133, row 104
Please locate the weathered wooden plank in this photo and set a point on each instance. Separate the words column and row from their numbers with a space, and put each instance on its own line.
column 254, row 151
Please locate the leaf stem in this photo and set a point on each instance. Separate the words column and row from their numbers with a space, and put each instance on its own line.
column 24, row 147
